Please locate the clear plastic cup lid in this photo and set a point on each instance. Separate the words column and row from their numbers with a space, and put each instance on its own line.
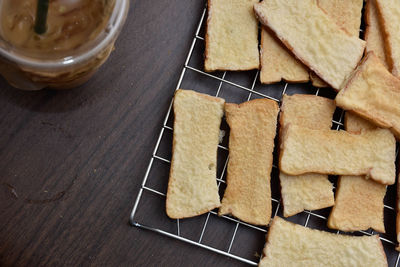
column 80, row 55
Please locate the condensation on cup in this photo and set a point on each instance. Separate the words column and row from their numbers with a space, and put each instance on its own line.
column 79, row 38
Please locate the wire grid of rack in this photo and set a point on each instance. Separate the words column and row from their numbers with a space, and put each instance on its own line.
column 232, row 229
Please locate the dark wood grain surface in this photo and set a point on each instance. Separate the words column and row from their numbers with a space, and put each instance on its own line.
column 71, row 162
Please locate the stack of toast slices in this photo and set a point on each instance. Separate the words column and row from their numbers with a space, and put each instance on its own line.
column 314, row 41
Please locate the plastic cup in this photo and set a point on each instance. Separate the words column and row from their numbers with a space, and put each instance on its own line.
column 29, row 73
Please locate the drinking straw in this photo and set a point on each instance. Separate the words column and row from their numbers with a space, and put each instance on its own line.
column 41, row 16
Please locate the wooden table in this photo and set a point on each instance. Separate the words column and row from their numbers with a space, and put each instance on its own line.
column 71, row 162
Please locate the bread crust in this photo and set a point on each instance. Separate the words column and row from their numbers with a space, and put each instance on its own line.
column 207, row 38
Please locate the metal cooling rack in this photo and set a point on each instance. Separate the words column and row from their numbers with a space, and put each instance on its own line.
column 174, row 228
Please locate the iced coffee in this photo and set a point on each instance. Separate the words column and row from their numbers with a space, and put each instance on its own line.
column 78, row 38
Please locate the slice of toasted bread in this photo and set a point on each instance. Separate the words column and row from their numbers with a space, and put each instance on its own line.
column 311, row 191
column 358, row 205
column 374, row 35
column 356, row 124
column 316, row 81
column 277, row 62
column 289, row 244
column 192, row 186
column 347, row 15
column 307, row 191
column 232, row 36
column 313, row 37
column 389, row 16
column 251, row 143
column 358, row 202
column 311, row 111
column 373, row 93
column 371, row 153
